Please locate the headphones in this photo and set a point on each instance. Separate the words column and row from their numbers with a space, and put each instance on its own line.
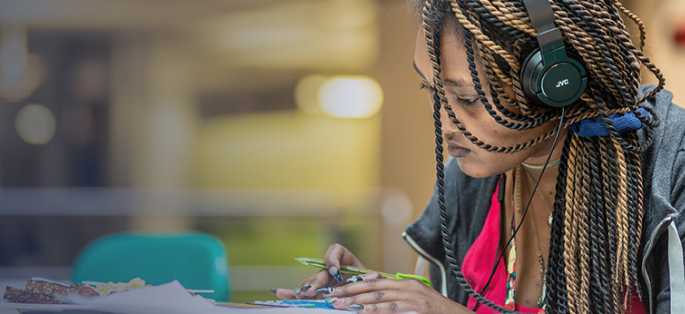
column 550, row 75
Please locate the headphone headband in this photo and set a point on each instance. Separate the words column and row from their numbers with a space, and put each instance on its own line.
column 549, row 36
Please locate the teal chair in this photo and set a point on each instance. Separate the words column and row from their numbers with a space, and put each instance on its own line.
column 197, row 260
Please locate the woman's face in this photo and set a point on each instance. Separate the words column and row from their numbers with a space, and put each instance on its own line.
column 465, row 102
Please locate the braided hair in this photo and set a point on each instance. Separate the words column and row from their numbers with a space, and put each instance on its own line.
column 598, row 207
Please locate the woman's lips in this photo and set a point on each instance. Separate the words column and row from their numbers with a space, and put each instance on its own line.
column 457, row 151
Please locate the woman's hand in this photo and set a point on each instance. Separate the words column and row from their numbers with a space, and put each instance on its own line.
column 375, row 294
column 335, row 256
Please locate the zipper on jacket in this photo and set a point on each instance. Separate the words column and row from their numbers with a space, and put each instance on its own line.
column 648, row 251
column 418, row 249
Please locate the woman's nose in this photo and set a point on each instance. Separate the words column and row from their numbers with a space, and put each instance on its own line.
column 448, row 128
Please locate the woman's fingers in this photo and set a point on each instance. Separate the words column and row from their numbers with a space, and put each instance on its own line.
column 375, row 295
column 336, row 256
column 307, row 289
column 339, row 255
column 371, row 275
column 385, row 307
column 284, row 294
column 370, row 282
column 379, row 301
column 378, row 296
column 315, row 282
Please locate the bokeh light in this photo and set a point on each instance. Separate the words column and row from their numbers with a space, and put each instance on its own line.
column 35, row 124
column 350, row 97
column 21, row 72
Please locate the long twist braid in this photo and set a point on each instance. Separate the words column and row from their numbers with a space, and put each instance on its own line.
column 580, row 218
column 599, row 287
column 556, row 277
column 638, row 22
column 635, row 183
column 620, row 190
column 570, row 233
column 557, row 291
column 609, row 184
column 584, row 254
column 520, row 20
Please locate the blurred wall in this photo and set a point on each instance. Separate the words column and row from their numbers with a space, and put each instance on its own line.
column 407, row 142
column 407, row 150
column 665, row 24
column 199, row 96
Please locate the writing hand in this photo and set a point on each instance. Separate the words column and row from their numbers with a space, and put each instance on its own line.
column 376, row 294
column 335, row 256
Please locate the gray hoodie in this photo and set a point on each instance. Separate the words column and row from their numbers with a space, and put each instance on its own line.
column 661, row 251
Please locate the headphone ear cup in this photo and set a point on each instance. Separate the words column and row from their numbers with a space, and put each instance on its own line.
column 530, row 71
column 557, row 85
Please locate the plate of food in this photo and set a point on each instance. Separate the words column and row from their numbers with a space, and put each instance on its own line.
column 41, row 294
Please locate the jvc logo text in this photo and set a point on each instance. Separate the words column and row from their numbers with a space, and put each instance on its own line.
column 562, row 83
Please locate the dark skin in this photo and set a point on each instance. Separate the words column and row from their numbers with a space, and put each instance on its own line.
column 378, row 295
column 527, row 264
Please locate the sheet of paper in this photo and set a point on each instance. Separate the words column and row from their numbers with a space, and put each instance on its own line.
column 172, row 298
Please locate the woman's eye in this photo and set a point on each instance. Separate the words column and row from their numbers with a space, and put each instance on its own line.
column 467, row 101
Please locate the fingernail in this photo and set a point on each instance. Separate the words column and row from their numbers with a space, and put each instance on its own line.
column 356, row 307
column 355, row 279
column 273, row 291
column 335, row 273
column 325, row 290
column 330, row 301
column 305, row 287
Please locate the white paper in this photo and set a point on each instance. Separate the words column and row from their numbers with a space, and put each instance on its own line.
column 283, row 310
column 170, row 297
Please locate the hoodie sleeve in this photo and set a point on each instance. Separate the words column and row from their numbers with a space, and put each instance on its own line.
column 664, row 224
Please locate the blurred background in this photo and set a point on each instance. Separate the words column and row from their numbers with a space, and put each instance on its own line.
column 278, row 126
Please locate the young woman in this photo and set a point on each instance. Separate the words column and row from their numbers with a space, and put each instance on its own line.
column 548, row 204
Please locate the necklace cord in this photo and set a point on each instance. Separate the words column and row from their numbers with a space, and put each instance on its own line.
column 550, row 165
column 543, row 271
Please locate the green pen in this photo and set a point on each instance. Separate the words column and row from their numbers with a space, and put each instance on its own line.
column 351, row 270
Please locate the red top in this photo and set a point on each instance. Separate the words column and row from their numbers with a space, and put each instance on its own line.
column 480, row 258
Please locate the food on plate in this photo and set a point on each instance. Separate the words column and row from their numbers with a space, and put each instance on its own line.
column 53, row 288
column 22, row 296
column 105, row 289
column 46, row 292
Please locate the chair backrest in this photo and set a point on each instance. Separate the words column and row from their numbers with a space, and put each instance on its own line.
column 197, row 260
